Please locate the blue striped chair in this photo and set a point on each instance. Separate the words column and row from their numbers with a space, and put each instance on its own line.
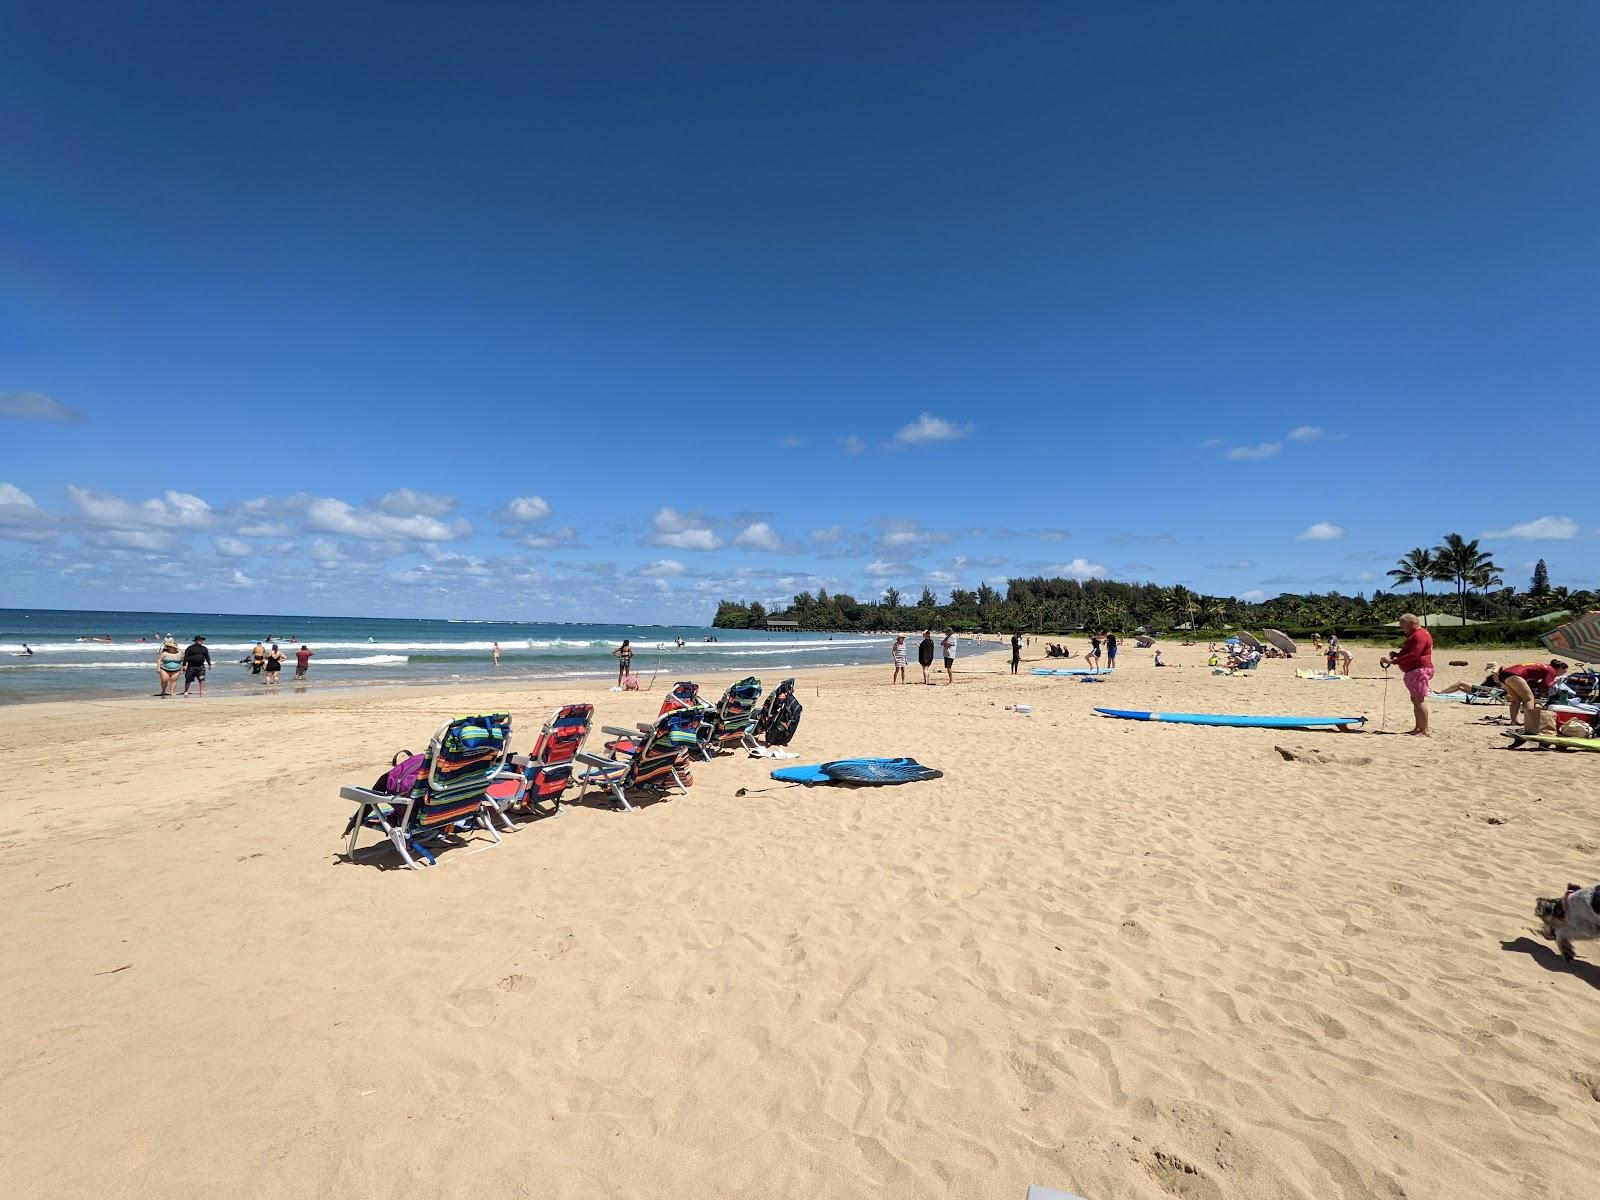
column 450, row 797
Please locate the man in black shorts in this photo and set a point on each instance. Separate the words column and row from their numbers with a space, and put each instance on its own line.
column 196, row 658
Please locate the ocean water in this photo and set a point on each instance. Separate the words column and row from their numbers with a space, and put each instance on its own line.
column 365, row 650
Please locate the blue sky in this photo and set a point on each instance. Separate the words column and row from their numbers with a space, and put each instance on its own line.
column 606, row 311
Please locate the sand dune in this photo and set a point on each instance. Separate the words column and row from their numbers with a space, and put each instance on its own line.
column 1127, row 960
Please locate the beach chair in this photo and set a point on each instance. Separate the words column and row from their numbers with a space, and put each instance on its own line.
column 541, row 778
column 657, row 762
column 780, row 716
column 731, row 724
column 683, row 694
column 450, row 797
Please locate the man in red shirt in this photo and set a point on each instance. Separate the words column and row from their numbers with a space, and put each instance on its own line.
column 302, row 660
column 1415, row 658
column 1526, row 682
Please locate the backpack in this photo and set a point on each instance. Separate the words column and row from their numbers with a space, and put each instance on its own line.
column 404, row 770
column 785, row 721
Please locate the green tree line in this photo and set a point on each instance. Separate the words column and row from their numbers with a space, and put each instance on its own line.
column 1047, row 605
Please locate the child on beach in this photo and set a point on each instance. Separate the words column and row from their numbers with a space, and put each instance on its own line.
column 899, row 658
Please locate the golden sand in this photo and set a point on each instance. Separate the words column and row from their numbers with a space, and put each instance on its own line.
column 1122, row 959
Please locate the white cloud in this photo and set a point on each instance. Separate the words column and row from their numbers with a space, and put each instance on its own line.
column 1243, row 564
column 759, row 536
column 1322, row 531
column 1553, row 529
column 929, row 428
column 403, row 502
column 1264, row 450
column 1078, row 568
column 851, row 444
column 232, row 547
column 1307, row 433
column 525, row 508
column 823, row 537
column 547, row 539
column 21, row 520
column 324, row 551
column 175, row 510
column 36, row 406
column 663, row 567
column 328, row 515
column 684, row 531
column 880, row 568
column 1254, row 595
column 897, row 532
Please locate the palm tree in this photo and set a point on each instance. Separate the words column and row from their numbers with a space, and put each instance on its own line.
column 1486, row 578
column 1462, row 561
column 1416, row 566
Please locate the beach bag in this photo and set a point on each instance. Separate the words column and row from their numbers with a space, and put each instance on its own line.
column 404, row 770
column 1537, row 720
column 785, row 720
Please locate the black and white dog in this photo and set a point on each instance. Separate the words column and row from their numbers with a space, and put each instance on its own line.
column 1573, row 918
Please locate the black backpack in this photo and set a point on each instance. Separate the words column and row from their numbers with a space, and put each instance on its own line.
column 780, row 715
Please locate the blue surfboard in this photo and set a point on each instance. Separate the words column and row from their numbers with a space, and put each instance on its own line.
column 870, row 771
column 1070, row 671
column 1240, row 720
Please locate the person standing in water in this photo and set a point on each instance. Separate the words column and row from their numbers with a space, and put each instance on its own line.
column 302, row 661
column 169, row 662
column 925, row 653
column 496, row 653
column 624, row 655
column 274, row 665
column 196, row 658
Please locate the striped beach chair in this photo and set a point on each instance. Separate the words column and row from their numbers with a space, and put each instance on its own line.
column 450, row 797
column 540, row 779
column 732, row 722
column 658, row 761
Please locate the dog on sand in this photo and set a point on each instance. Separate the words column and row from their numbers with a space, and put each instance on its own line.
column 1573, row 918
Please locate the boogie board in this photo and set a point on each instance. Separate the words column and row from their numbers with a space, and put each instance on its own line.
column 1070, row 671
column 870, row 771
column 1550, row 739
column 1236, row 720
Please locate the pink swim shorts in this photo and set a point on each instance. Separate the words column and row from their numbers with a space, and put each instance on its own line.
column 1417, row 682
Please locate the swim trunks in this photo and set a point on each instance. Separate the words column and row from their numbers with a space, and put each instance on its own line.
column 1417, row 681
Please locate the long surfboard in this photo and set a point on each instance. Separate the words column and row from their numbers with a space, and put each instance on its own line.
column 1239, row 720
column 1070, row 671
column 1547, row 739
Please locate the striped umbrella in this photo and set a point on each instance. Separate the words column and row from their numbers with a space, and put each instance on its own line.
column 1579, row 639
column 1250, row 639
column 1281, row 640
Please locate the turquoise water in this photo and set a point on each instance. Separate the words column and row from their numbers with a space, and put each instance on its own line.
column 385, row 650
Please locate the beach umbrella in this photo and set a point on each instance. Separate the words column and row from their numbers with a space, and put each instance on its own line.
column 1579, row 639
column 1251, row 640
column 1281, row 640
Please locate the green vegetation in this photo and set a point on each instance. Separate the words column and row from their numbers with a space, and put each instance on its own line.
column 1068, row 605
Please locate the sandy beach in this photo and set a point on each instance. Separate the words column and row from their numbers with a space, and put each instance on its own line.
column 1121, row 959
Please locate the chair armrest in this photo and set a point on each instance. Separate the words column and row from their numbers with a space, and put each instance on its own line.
column 519, row 760
column 594, row 760
column 617, row 730
column 361, row 795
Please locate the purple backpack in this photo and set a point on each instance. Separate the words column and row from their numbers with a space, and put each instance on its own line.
column 402, row 774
